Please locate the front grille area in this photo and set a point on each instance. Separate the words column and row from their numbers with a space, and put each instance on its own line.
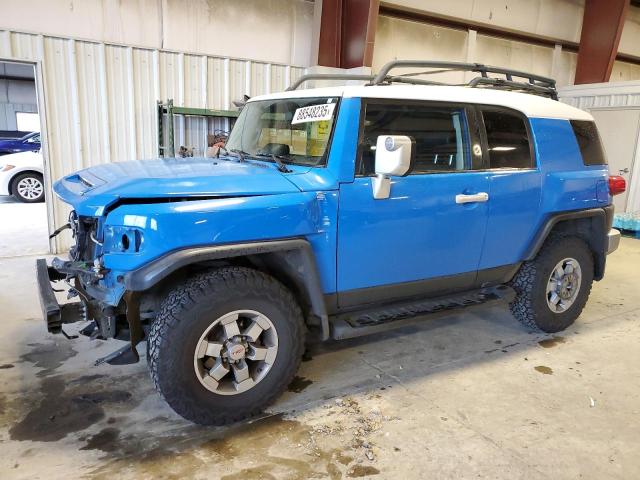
column 83, row 229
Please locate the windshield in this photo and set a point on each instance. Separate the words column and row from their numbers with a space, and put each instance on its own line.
column 31, row 137
column 297, row 130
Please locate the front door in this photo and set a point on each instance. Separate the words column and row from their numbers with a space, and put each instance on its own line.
column 427, row 237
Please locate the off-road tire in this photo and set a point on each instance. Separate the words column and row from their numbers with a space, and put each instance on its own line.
column 530, row 304
column 14, row 187
column 185, row 314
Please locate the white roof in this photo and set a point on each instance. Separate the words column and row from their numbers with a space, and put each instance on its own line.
column 531, row 105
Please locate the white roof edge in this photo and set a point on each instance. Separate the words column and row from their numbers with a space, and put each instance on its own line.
column 531, row 105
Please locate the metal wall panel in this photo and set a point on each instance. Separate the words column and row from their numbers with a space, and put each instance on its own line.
column 8, row 114
column 100, row 99
column 614, row 96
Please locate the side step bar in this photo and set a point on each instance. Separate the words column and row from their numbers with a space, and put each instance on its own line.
column 387, row 317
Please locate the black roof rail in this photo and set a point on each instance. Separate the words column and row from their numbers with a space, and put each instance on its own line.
column 530, row 83
column 327, row 76
column 536, row 84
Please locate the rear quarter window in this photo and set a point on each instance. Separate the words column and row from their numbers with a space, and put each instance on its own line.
column 589, row 142
column 507, row 139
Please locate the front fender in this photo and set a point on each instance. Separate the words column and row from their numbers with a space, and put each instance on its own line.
column 150, row 274
column 171, row 226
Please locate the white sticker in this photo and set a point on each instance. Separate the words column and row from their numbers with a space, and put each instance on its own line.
column 314, row 113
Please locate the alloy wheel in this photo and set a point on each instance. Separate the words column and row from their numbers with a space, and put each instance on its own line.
column 235, row 352
column 563, row 285
column 30, row 188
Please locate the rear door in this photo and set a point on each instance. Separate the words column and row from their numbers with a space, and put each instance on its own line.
column 420, row 240
column 515, row 191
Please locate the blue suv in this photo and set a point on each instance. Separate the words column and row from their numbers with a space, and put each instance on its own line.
column 333, row 213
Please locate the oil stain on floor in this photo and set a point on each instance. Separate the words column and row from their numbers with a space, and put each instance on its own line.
column 104, row 440
column 362, row 471
column 544, row 370
column 551, row 342
column 61, row 412
column 272, row 447
column 48, row 356
column 298, row 384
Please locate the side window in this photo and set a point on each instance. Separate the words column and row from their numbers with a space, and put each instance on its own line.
column 507, row 139
column 589, row 142
column 440, row 135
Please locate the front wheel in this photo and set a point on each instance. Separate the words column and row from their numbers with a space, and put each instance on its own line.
column 225, row 344
column 552, row 289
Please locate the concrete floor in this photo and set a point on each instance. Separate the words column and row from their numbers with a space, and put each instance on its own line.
column 23, row 228
column 470, row 396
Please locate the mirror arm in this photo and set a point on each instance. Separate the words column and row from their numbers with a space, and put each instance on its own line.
column 381, row 186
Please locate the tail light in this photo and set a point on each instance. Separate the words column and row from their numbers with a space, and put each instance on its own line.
column 617, row 184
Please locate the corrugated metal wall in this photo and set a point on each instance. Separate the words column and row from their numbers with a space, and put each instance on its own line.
column 613, row 97
column 100, row 99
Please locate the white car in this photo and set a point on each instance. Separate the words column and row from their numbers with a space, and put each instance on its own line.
column 21, row 175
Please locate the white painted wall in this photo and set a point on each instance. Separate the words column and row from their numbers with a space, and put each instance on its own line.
column 399, row 39
column 278, row 31
column 556, row 19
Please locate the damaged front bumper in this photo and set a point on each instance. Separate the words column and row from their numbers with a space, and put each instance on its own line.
column 104, row 316
column 54, row 314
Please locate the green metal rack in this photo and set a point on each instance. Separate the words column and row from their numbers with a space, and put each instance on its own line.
column 169, row 109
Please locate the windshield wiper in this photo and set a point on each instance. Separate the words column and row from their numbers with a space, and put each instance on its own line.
column 239, row 154
column 278, row 159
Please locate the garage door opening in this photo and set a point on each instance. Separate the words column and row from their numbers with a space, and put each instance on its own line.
column 23, row 213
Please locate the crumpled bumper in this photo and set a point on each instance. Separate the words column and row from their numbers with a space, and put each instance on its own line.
column 53, row 313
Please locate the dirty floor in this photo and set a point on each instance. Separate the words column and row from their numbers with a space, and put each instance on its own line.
column 469, row 396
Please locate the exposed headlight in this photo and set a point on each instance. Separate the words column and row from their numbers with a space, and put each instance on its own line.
column 119, row 239
column 6, row 168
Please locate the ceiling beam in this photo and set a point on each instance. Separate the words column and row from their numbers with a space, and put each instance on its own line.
column 347, row 33
column 602, row 26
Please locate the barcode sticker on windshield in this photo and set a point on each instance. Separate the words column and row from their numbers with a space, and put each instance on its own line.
column 314, row 113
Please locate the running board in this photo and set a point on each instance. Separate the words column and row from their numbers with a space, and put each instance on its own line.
column 396, row 315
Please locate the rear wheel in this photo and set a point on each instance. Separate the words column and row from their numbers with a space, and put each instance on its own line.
column 28, row 188
column 225, row 344
column 552, row 289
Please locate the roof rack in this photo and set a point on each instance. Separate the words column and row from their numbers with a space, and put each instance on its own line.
column 327, row 76
column 530, row 83
column 536, row 84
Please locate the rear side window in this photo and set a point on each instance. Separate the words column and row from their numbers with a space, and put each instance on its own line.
column 440, row 135
column 508, row 140
column 589, row 142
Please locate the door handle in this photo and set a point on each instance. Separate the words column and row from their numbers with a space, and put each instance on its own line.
column 476, row 197
column 623, row 171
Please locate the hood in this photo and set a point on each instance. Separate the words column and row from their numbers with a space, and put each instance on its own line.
column 91, row 190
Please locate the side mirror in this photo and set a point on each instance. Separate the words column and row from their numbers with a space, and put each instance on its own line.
column 395, row 157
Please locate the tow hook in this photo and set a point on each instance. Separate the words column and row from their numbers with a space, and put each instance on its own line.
column 97, row 268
